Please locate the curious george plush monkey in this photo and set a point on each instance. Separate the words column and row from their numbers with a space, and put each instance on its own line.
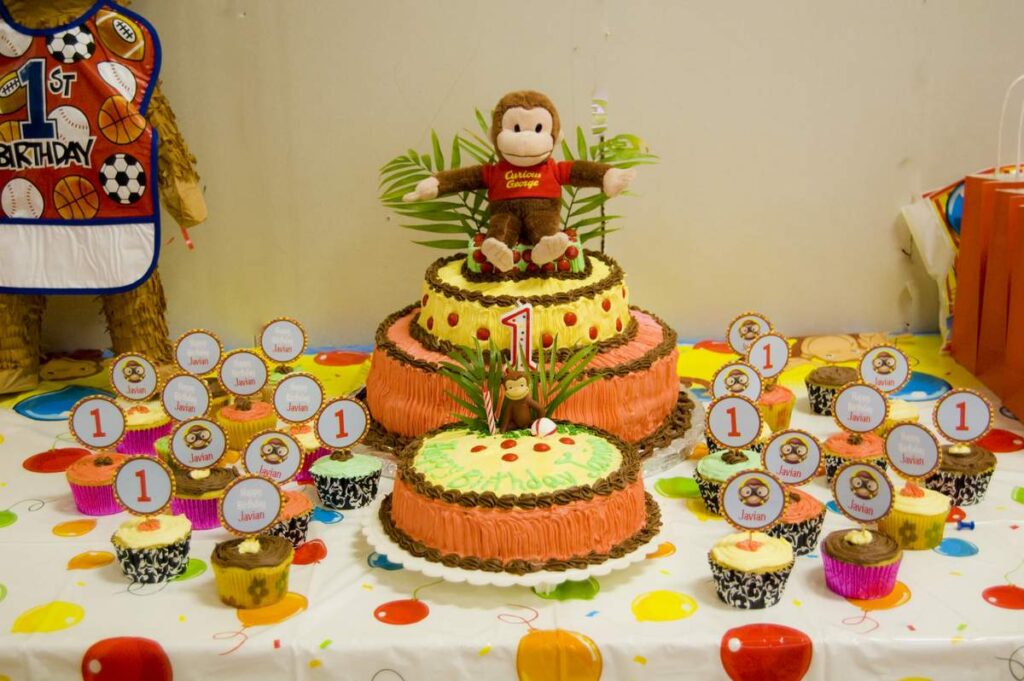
column 520, row 406
column 524, row 188
column 135, row 318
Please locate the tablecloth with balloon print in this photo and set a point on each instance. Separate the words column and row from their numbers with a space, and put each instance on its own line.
column 66, row 611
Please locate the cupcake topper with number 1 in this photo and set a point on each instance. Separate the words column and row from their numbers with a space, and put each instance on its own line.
column 862, row 492
column 144, row 485
column 769, row 354
column 198, row 352
column 745, row 329
column 737, row 378
column 97, row 422
column 341, row 423
column 753, row 500
column 273, row 455
column 885, row 367
column 243, row 373
column 134, row 377
column 962, row 416
column 250, row 505
column 283, row 340
column 792, row 456
column 733, row 422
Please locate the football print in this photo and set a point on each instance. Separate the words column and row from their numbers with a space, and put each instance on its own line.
column 12, row 95
column 121, row 35
column 123, row 178
column 74, row 44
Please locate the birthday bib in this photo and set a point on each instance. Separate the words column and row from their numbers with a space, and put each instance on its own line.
column 78, row 158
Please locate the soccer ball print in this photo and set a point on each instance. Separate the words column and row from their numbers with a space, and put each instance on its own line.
column 74, row 44
column 123, row 178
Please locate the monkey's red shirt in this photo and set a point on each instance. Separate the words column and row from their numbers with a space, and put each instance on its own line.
column 542, row 181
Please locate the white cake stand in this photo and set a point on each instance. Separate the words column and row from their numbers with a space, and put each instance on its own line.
column 543, row 582
column 679, row 449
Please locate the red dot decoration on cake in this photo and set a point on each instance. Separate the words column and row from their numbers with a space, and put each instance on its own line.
column 483, row 333
column 548, row 267
column 528, row 255
column 478, row 239
column 478, row 448
column 571, row 252
column 479, row 256
column 569, row 318
column 618, row 325
column 567, row 440
column 541, row 447
column 547, row 340
column 430, row 323
column 486, row 268
column 425, row 299
column 508, row 444
column 593, row 333
column 623, row 291
column 510, row 457
column 453, row 319
column 516, row 256
column 563, row 265
column 606, row 304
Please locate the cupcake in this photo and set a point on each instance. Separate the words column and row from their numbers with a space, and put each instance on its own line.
column 964, row 473
column 750, row 569
column 153, row 549
column 776, row 407
column 824, row 383
column 273, row 378
column 219, row 397
column 844, row 447
column 918, row 518
column 244, row 419
column 757, row 445
column 92, row 483
column 294, row 519
column 801, row 523
column 162, row 447
column 344, row 480
column 252, row 572
column 860, row 563
column 144, row 424
column 196, row 494
column 900, row 412
column 714, row 469
column 312, row 450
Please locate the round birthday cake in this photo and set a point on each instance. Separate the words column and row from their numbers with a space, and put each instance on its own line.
column 519, row 503
column 637, row 398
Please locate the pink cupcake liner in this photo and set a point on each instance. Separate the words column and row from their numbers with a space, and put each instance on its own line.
column 859, row 581
column 143, row 441
column 95, row 500
column 201, row 512
column 311, row 458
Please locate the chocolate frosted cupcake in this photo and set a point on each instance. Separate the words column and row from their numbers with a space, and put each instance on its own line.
column 294, row 519
column 844, row 447
column 252, row 572
column 860, row 563
column 824, row 383
column 750, row 569
column 345, row 480
column 153, row 549
column 801, row 523
column 964, row 473
column 196, row 494
column 714, row 469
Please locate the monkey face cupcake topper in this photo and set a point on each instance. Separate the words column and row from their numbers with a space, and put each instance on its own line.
column 753, row 500
column 862, row 492
column 793, row 456
column 962, row 416
column 885, row 367
column 745, row 329
column 283, row 340
column 243, row 373
column 144, row 485
column 273, row 455
column 133, row 376
column 97, row 422
column 737, row 378
column 185, row 396
column 198, row 443
column 198, row 352
column 733, row 422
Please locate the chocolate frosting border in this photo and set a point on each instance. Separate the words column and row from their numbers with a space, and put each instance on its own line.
column 522, row 567
column 519, row 275
column 616, row 276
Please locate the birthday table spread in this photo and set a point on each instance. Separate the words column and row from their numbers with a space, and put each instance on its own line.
column 351, row 613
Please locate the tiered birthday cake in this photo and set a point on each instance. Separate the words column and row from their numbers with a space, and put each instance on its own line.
column 519, row 503
column 637, row 399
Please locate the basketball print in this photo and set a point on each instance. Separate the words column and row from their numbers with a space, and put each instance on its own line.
column 21, row 199
column 75, row 198
column 123, row 178
column 10, row 131
column 72, row 45
column 119, row 120
column 121, row 35
column 12, row 95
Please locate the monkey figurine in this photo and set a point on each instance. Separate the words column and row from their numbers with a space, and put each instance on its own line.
column 524, row 188
column 520, row 407
column 118, row 42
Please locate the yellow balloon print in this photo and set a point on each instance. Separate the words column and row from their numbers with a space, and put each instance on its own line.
column 663, row 606
column 52, row 616
column 558, row 655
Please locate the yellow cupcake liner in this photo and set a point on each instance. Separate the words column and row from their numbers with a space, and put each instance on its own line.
column 777, row 416
column 252, row 587
column 912, row 531
column 240, row 432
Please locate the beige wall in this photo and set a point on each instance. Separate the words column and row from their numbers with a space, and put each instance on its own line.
column 790, row 135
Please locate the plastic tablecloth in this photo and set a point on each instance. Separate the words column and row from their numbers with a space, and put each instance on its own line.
column 66, row 611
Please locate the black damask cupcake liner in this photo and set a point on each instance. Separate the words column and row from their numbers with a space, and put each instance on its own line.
column 963, row 489
column 293, row 529
column 833, row 463
column 152, row 566
column 821, row 397
column 708, row 493
column 714, row 447
column 342, row 494
column 803, row 536
column 749, row 590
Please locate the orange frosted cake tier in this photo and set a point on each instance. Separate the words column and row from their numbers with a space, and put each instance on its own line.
column 514, row 502
column 637, row 398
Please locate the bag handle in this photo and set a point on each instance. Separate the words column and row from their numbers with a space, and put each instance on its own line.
column 1002, row 120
